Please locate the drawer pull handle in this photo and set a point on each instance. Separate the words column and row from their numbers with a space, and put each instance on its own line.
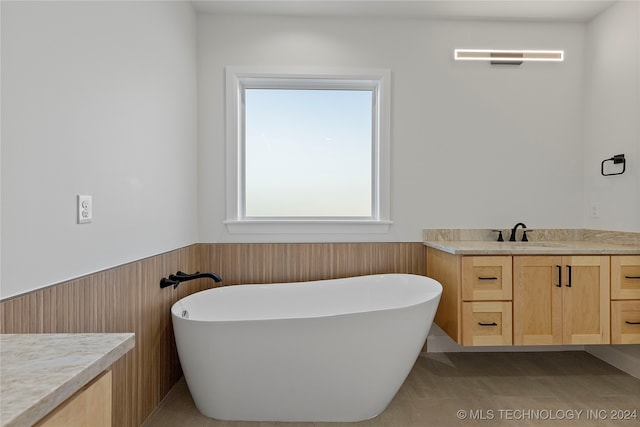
column 487, row 278
column 632, row 323
column 488, row 324
column 632, row 277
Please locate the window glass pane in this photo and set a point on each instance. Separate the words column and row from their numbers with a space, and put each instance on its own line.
column 308, row 153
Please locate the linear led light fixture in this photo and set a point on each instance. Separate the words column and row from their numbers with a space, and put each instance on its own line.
column 516, row 57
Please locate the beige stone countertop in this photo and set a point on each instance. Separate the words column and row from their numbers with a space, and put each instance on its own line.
column 578, row 247
column 40, row 371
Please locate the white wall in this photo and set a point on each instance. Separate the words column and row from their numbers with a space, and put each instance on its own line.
column 98, row 98
column 472, row 145
column 612, row 116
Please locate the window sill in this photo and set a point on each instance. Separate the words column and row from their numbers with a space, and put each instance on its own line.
column 307, row 226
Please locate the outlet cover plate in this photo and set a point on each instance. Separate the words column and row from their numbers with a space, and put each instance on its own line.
column 85, row 209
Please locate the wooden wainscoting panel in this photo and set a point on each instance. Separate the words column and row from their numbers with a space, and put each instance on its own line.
column 245, row 263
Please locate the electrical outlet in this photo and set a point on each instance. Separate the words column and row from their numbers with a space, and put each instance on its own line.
column 85, row 211
column 595, row 210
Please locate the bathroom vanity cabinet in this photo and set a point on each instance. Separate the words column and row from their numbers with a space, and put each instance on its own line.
column 537, row 299
column 476, row 303
column 90, row 406
column 561, row 300
column 625, row 299
column 486, row 296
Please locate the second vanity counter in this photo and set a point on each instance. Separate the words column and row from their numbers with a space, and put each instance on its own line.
column 40, row 371
column 578, row 247
column 560, row 292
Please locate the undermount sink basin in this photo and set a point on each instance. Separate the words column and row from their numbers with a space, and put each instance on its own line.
column 544, row 244
column 532, row 245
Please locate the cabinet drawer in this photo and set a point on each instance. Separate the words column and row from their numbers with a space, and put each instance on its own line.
column 625, row 277
column 486, row 278
column 487, row 323
column 625, row 322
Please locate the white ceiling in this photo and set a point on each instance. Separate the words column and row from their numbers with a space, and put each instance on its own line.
column 515, row 10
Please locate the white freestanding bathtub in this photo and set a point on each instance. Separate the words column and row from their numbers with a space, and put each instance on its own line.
column 330, row 350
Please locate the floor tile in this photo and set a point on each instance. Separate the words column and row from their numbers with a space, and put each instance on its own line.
column 563, row 389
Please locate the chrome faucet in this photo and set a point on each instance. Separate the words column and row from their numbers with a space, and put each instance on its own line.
column 513, row 232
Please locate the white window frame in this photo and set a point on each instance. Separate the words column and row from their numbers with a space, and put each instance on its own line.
column 240, row 78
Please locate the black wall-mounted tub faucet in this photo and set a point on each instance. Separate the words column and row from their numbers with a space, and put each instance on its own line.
column 175, row 279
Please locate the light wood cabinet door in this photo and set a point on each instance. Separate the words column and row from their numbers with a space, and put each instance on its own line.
column 625, row 277
column 561, row 300
column 486, row 278
column 89, row 407
column 537, row 300
column 625, row 322
column 586, row 300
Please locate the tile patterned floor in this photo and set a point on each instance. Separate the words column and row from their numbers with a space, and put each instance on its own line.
column 562, row 389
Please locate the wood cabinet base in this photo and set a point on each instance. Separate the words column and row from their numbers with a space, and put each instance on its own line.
column 89, row 407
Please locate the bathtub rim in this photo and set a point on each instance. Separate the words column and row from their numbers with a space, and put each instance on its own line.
column 434, row 294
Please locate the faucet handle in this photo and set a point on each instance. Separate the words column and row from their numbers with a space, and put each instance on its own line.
column 524, row 234
column 500, row 239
